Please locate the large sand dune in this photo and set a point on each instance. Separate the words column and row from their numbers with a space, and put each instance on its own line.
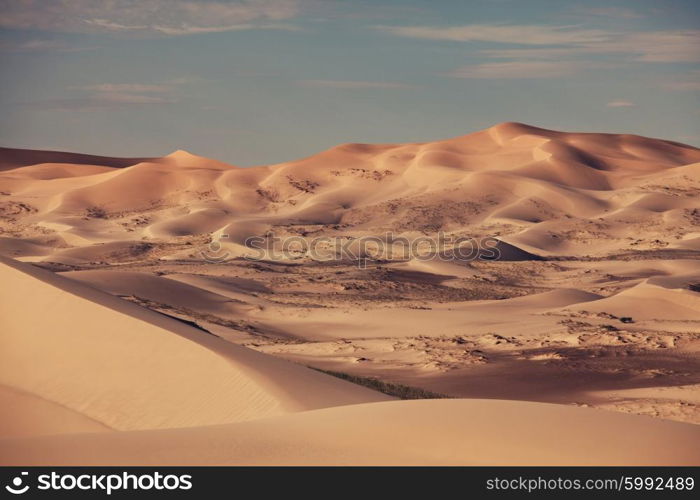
column 593, row 300
column 16, row 158
column 432, row 432
column 127, row 368
column 90, row 364
column 526, row 182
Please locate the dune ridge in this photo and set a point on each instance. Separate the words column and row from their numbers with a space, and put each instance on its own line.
column 522, row 179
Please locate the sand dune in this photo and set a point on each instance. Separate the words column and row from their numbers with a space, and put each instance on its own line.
column 518, row 177
column 31, row 415
column 647, row 301
column 127, row 368
column 159, row 289
column 15, row 158
column 437, row 432
column 593, row 301
column 151, row 372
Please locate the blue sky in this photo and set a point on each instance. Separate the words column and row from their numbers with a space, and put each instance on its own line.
column 264, row 81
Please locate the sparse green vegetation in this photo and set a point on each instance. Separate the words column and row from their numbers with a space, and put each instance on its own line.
column 397, row 390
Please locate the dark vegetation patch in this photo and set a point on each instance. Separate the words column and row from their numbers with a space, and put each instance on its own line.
column 397, row 390
column 96, row 212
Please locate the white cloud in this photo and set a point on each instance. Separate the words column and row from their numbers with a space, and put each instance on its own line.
column 127, row 98
column 101, row 96
column 193, row 30
column 519, row 34
column 620, row 104
column 660, row 46
column 531, row 53
column 352, row 84
column 517, row 69
column 146, row 17
column 548, row 42
column 42, row 45
column 617, row 12
column 111, row 26
column 126, row 87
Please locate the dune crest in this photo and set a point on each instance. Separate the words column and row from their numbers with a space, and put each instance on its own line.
column 512, row 176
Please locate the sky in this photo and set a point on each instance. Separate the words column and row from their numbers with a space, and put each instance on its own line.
column 265, row 81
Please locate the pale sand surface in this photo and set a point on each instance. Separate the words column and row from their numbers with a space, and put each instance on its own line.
column 128, row 368
column 30, row 415
column 431, row 432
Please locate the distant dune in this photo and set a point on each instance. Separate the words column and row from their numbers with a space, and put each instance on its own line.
column 15, row 158
column 523, row 179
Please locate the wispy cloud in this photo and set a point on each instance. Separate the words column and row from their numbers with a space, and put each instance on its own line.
column 658, row 46
column 532, row 53
column 193, row 30
column 147, row 17
column 126, row 87
column 615, row 12
column 42, row 45
column 128, row 98
column 550, row 42
column 520, row 34
column 689, row 81
column 97, row 102
column 517, row 69
column 688, row 85
column 102, row 96
column 188, row 29
column 620, row 103
column 353, row 84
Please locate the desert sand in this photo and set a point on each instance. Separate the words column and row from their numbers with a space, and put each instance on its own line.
column 418, row 432
column 134, row 314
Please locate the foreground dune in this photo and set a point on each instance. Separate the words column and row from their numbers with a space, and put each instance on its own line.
column 116, row 364
column 427, row 432
column 88, row 364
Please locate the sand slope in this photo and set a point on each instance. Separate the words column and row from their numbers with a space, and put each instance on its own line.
column 428, row 432
column 129, row 368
